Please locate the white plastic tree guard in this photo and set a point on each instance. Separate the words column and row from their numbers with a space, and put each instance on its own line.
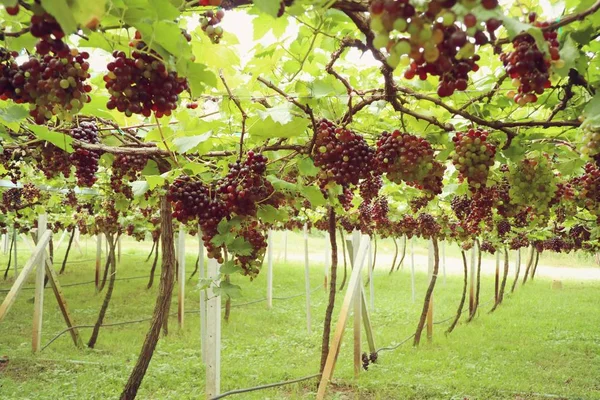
column 213, row 333
column 181, row 277
column 307, row 280
column 412, row 268
column 270, row 270
column 38, row 302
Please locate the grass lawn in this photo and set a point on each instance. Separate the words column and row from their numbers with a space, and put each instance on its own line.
column 539, row 344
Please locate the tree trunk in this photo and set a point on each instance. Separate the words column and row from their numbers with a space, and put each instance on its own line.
column 163, row 303
column 535, row 265
column 151, row 280
column 105, row 276
column 64, row 263
column 395, row 255
column 403, row 253
column 464, row 294
column 529, row 264
column 514, row 285
column 503, row 285
column 10, row 252
column 151, row 250
column 478, row 287
column 332, row 289
column 195, row 267
column 111, row 285
column 429, row 293
column 345, row 260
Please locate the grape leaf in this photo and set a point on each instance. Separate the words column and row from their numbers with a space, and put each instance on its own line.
column 60, row 10
column 270, row 7
column 187, row 143
column 58, row 139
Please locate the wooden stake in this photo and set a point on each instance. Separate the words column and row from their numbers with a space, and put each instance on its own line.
column 412, row 268
column 367, row 322
column 357, row 302
column 201, row 276
column 213, row 337
column 62, row 238
column 76, row 241
column 307, row 280
column 473, row 277
column 181, row 258
column 98, row 259
column 444, row 261
column 5, row 243
column 119, row 249
column 270, row 270
column 340, row 326
column 62, row 302
column 27, row 268
column 38, row 302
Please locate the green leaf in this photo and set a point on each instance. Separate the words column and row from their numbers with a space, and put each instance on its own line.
column 314, row 195
column 268, row 128
column 240, row 247
column 229, row 268
column 139, row 188
column 515, row 27
column 281, row 185
column 199, row 77
column 154, row 181
column 306, row 166
column 591, row 112
column 270, row 7
column 58, row 139
column 187, row 143
column 60, row 10
column 281, row 114
column 270, row 214
column 229, row 289
column 13, row 113
column 569, row 53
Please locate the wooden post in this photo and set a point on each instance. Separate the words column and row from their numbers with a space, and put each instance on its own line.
column 181, row 257
column 444, row 261
column 201, row 276
column 371, row 282
column 307, row 280
column 98, row 259
column 430, row 259
column 270, row 269
column 27, row 268
column 472, row 278
column 213, row 333
column 38, row 302
column 497, row 281
column 340, row 326
column 27, row 242
column 326, row 264
column 412, row 268
column 119, row 248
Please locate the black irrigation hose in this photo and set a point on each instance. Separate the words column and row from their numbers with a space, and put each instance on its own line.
column 261, row 387
column 275, row 298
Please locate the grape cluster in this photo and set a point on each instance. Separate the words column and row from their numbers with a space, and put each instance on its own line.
column 257, row 239
column 346, row 198
column 53, row 81
column 488, row 247
column 408, row 226
column 11, row 200
column 589, row 188
column 556, row 244
column 365, row 218
column 480, row 210
column 343, row 156
column 55, row 161
column 473, row 156
column 533, row 183
column 418, row 203
column 432, row 38
column 209, row 22
column 11, row 161
column 369, row 188
column 461, row 206
column 528, row 66
column 579, row 234
column 503, row 227
column 126, row 167
column 142, row 84
column 518, row 242
column 84, row 160
column 591, row 141
column 409, row 158
column 428, row 226
column 44, row 26
column 380, row 211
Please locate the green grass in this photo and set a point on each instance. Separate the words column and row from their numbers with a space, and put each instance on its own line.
column 539, row 342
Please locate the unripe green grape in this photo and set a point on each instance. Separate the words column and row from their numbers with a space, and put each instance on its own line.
column 381, row 41
column 377, row 24
column 400, row 24
column 402, row 47
column 393, row 60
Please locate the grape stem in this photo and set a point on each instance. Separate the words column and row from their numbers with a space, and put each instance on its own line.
column 236, row 101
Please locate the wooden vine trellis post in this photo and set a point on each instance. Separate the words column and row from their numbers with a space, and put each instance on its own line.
column 213, row 333
column 40, row 261
column 357, row 250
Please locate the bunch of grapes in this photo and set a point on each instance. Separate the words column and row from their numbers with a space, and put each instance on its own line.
column 369, row 188
column 528, row 66
column 480, row 210
column 522, row 218
column 503, row 227
column 488, row 247
column 556, row 244
column 503, row 205
column 71, row 198
column 579, row 234
column 44, row 26
column 107, row 219
column 126, row 167
column 518, row 242
column 409, row 158
column 343, row 156
column 209, row 22
column 8, row 69
column 418, row 203
column 345, row 198
column 142, row 84
column 589, row 188
column 380, row 211
column 245, row 185
column 55, row 161
column 473, row 156
column 408, row 226
column 591, row 141
column 194, row 201
column 365, row 218
column 461, row 205
column 84, row 160
column 11, row 161
column 52, row 82
column 533, row 183
column 347, row 224
column 11, row 200
column 257, row 239
column 428, row 226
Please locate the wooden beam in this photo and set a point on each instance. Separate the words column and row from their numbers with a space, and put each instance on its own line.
column 20, row 281
column 38, row 302
column 340, row 326
column 62, row 302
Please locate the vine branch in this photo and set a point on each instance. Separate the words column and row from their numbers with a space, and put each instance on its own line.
column 239, row 106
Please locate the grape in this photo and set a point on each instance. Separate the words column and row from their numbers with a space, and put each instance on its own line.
column 55, row 161
column 488, row 247
column 44, row 26
column 369, row 188
column 591, row 141
column 461, row 206
column 503, row 227
column 408, row 158
column 533, row 184
column 473, row 156
column 380, row 210
column 208, row 24
column 518, row 242
column 428, row 227
column 257, row 239
column 588, row 186
column 126, row 167
column 142, row 84
column 84, row 160
column 343, row 156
